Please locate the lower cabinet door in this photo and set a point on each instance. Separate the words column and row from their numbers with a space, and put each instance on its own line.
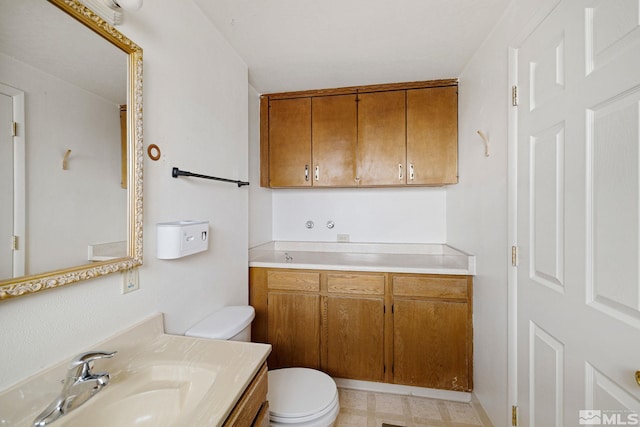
column 355, row 338
column 431, row 344
column 294, row 330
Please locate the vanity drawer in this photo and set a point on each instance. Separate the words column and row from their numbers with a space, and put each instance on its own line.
column 430, row 287
column 293, row 281
column 366, row 284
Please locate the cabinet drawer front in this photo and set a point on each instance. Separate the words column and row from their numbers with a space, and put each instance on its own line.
column 430, row 287
column 356, row 284
column 293, row 281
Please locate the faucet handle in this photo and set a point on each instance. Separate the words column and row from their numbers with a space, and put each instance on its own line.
column 79, row 366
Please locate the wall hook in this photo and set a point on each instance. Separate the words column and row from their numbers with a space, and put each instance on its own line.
column 486, row 142
column 65, row 160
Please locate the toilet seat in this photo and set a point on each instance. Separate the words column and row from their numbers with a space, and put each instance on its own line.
column 301, row 395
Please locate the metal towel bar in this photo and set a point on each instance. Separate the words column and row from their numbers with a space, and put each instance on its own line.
column 177, row 172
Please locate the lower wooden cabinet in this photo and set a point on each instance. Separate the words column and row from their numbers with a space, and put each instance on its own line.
column 252, row 410
column 435, row 354
column 410, row 329
column 293, row 313
column 294, row 330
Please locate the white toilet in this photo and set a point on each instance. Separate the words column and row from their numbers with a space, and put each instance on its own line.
column 298, row 397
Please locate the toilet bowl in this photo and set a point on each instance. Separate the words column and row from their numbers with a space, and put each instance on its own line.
column 298, row 397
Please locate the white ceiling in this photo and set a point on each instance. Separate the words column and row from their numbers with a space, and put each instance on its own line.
column 309, row 44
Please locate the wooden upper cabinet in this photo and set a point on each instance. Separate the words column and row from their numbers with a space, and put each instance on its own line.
column 290, row 142
column 371, row 136
column 334, row 137
column 381, row 138
column 432, row 136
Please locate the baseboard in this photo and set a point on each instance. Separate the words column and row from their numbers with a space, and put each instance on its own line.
column 457, row 396
column 475, row 403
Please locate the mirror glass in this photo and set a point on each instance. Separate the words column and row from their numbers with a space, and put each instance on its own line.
column 71, row 146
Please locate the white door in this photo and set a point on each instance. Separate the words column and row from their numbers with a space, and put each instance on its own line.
column 578, row 216
column 6, row 186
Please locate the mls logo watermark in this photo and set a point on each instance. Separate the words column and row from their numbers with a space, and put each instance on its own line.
column 597, row 417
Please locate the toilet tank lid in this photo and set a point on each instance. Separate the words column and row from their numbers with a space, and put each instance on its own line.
column 224, row 323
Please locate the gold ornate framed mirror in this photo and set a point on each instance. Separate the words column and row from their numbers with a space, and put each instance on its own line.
column 66, row 201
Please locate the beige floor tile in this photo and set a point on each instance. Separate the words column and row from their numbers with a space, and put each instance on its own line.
column 424, row 408
column 353, row 399
column 369, row 409
column 351, row 420
column 389, row 404
column 462, row 413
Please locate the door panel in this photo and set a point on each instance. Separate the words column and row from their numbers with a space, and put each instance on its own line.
column 294, row 330
column 578, row 193
column 6, row 186
column 614, row 188
column 290, row 142
column 430, row 344
column 432, row 136
column 381, row 138
column 355, row 338
column 334, row 135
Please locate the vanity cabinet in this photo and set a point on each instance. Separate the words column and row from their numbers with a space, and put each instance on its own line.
column 410, row 329
column 252, row 410
column 371, row 136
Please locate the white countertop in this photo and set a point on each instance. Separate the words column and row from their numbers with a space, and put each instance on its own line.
column 382, row 257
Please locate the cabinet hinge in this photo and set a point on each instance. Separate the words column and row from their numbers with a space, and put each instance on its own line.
column 14, row 129
column 384, row 309
column 514, row 256
column 14, row 243
column 514, row 96
column 384, row 369
column 393, row 310
column 514, row 416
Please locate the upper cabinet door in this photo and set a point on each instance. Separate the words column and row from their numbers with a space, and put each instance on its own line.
column 381, row 138
column 432, row 136
column 334, row 136
column 290, row 142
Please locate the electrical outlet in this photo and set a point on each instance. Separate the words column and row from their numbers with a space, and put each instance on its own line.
column 130, row 281
column 343, row 238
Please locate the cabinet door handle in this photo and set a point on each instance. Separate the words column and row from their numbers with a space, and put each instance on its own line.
column 411, row 174
column 317, row 173
column 400, row 171
column 306, row 172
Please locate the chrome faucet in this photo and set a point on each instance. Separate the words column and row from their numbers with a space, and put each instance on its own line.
column 79, row 386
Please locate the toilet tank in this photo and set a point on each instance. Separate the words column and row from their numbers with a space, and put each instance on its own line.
column 229, row 323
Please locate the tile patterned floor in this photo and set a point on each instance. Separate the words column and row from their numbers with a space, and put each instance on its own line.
column 369, row 409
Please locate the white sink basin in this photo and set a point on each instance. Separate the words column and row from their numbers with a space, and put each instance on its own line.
column 151, row 396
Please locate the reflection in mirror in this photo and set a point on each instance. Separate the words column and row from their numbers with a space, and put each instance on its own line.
column 71, row 190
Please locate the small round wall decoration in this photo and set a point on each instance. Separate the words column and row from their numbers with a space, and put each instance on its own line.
column 154, row 152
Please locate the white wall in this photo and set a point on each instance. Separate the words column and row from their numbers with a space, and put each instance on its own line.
column 195, row 110
column 477, row 206
column 383, row 215
column 260, row 200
